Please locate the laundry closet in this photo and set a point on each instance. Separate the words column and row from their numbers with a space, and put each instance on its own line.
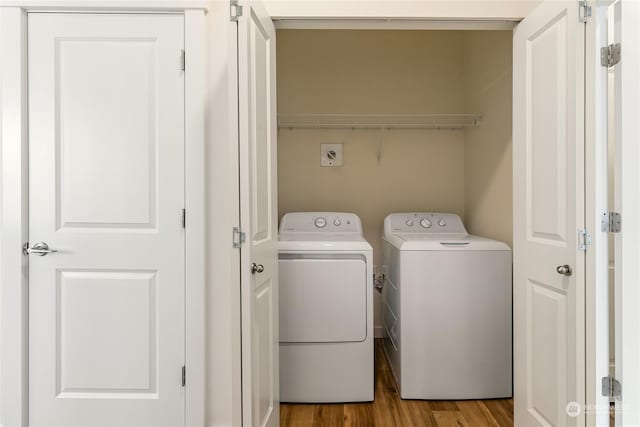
column 423, row 119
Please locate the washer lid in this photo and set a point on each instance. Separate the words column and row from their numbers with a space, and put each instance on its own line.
column 432, row 231
column 417, row 242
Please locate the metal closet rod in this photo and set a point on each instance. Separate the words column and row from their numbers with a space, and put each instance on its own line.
column 378, row 121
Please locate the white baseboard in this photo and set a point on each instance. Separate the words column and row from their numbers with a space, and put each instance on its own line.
column 378, row 332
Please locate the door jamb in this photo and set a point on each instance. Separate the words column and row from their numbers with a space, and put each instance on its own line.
column 596, row 203
column 14, row 365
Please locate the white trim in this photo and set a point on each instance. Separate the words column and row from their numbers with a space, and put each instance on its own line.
column 627, row 28
column 14, row 213
column 195, row 46
column 103, row 5
column 13, row 220
column 393, row 24
column 401, row 9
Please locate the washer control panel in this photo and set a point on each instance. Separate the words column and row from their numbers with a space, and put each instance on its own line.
column 320, row 222
column 425, row 222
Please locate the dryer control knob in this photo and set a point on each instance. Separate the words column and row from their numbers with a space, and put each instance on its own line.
column 409, row 222
column 442, row 222
column 320, row 222
column 337, row 222
column 425, row 223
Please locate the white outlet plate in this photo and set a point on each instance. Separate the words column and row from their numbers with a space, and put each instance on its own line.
column 325, row 158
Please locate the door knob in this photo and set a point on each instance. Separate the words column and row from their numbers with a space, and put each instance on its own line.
column 39, row 249
column 565, row 270
column 256, row 268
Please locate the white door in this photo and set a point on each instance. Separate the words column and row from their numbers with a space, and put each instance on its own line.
column 548, row 154
column 259, row 220
column 627, row 263
column 106, row 191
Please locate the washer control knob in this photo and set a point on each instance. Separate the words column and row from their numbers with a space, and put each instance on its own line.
column 320, row 222
column 442, row 222
column 337, row 222
column 425, row 223
column 409, row 222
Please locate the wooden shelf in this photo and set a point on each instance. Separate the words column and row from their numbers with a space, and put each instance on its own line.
column 378, row 121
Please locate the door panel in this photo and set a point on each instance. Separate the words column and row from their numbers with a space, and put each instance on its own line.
column 546, row 372
column 547, row 71
column 258, row 210
column 549, row 358
column 106, row 190
column 110, row 182
column 87, row 332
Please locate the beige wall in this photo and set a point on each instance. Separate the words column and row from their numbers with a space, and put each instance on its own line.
column 396, row 72
column 322, row 71
column 488, row 156
column 369, row 72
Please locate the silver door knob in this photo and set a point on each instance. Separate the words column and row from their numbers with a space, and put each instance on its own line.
column 565, row 270
column 39, row 249
column 256, row 268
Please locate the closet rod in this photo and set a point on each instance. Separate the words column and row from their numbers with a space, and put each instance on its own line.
column 378, row 121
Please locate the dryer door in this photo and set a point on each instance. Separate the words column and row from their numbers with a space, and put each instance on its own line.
column 323, row 299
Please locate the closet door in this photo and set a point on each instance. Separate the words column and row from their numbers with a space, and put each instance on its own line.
column 258, row 211
column 549, row 265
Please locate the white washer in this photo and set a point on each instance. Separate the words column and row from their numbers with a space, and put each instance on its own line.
column 326, row 309
column 447, row 304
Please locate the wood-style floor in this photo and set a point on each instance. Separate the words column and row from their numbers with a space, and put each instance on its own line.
column 388, row 410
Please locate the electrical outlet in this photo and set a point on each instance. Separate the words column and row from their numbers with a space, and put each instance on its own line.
column 331, row 155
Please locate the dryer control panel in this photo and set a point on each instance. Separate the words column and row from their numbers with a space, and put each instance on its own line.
column 432, row 223
column 320, row 222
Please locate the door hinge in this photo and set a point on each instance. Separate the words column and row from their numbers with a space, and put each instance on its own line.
column 239, row 237
column 611, row 222
column 184, row 376
column 184, row 218
column 611, row 388
column 236, row 11
column 610, row 55
column 584, row 239
column 182, row 60
column 584, row 11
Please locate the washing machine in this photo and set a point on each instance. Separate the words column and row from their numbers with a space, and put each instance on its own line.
column 326, row 309
column 447, row 309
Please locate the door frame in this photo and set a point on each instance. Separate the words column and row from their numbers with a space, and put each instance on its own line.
column 596, row 203
column 595, row 179
column 14, row 211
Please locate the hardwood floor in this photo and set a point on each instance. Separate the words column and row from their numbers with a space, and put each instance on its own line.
column 388, row 410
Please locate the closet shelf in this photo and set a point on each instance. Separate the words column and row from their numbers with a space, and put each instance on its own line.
column 378, row 121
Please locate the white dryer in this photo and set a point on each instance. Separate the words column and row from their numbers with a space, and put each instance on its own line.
column 447, row 309
column 326, row 309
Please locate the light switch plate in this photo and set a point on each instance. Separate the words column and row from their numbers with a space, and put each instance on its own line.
column 331, row 155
